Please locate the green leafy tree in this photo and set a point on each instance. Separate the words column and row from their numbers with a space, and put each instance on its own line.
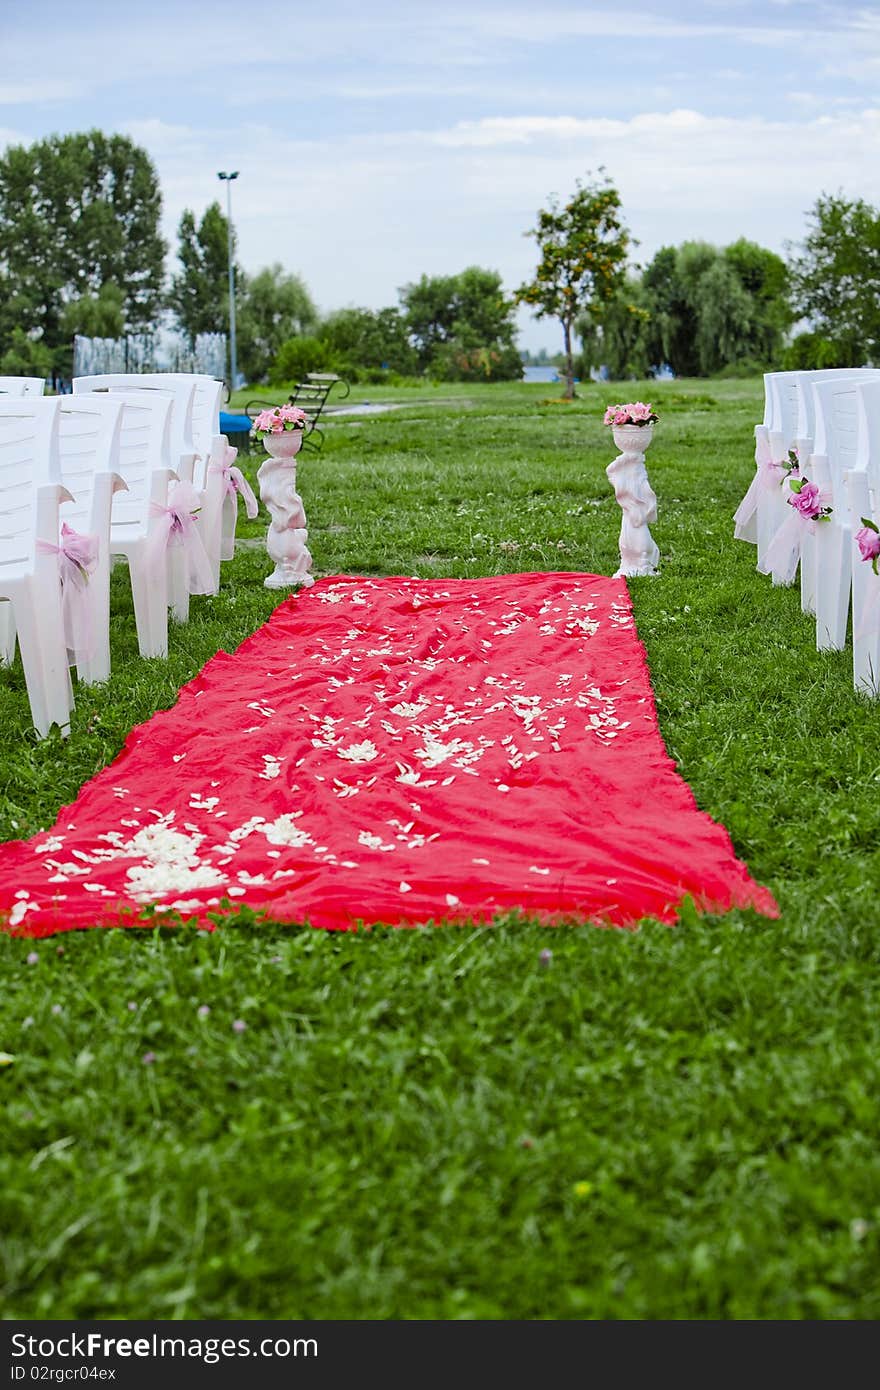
column 100, row 315
column 25, row 356
column 619, row 338
column 429, row 307
column 674, row 280
column 453, row 319
column 371, row 339
column 723, row 312
column 199, row 294
column 583, row 245
column 77, row 212
column 836, row 276
column 764, row 276
column 272, row 307
column 711, row 309
column 810, row 352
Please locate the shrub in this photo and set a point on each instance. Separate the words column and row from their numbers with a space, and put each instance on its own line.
column 298, row 356
column 453, row 362
column 813, row 352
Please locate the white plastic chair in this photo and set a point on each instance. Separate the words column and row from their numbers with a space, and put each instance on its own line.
column 789, row 422
column 865, row 642
column 763, row 509
column 88, row 461
column 29, row 577
column 826, row 563
column 22, row 386
column 143, row 462
column 199, row 454
column 863, row 493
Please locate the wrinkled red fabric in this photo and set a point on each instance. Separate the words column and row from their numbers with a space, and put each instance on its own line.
column 398, row 751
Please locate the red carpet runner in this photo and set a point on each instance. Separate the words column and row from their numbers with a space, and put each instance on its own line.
column 395, row 750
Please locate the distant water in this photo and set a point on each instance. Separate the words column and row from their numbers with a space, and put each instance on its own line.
column 534, row 374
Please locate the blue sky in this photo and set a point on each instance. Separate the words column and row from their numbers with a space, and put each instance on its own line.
column 380, row 140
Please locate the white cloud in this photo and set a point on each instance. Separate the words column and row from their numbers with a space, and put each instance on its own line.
column 360, row 215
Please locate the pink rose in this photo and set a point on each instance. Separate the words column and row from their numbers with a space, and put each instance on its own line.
column 868, row 542
column 808, row 501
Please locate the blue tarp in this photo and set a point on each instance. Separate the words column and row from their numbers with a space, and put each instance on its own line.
column 234, row 424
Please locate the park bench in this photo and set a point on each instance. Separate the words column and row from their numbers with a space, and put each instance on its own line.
column 310, row 395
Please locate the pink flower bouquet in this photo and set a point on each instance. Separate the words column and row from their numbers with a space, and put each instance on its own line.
column 633, row 413
column 279, row 419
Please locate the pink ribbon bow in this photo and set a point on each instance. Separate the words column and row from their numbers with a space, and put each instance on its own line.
column 177, row 527
column 784, row 551
column 237, row 485
column 77, row 559
column 767, row 477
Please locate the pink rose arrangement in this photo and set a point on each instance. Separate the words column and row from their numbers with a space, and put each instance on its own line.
column 633, row 413
column 807, row 499
column 867, row 538
column 279, row 419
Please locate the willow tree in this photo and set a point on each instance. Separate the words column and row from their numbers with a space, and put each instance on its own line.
column 584, row 245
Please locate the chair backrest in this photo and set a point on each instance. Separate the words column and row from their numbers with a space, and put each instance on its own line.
column 783, row 406
column 179, row 386
column 835, row 411
column 835, row 408
column 89, row 428
column 22, row 386
column 28, row 450
column 805, row 381
column 868, row 434
column 207, row 401
column 144, row 446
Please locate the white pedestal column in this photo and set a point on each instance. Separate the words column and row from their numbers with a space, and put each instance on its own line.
column 286, row 537
column 628, row 476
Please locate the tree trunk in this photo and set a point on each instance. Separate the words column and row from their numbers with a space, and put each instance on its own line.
column 569, row 365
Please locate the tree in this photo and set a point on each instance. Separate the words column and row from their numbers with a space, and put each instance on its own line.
column 672, row 329
column 764, row 276
column 199, row 294
column 77, row 212
column 462, row 325
column 723, row 311
column 371, row 339
column 584, row 246
column 98, row 315
column 25, row 356
column 836, row 277
column 619, row 338
column 429, row 307
column 711, row 309
column 273, row 306
column 810, row 352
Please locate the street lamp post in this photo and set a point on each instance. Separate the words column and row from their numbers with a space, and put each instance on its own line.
column 232, row 359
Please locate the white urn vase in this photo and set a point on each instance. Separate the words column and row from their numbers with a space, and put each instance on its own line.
column 628, row 476
column 632, row 439
column 286, row 537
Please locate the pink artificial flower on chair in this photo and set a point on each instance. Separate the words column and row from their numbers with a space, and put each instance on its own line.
column 867, row 538
column 808, row 501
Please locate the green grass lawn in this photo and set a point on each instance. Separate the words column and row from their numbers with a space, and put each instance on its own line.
column 669, row 1123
